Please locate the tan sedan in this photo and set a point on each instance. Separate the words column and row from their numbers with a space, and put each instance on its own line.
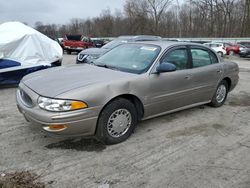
column 132, row 82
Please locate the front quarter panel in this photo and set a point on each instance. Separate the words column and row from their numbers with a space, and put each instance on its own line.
column 99, row 95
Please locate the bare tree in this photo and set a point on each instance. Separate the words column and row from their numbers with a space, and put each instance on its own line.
column 169, row 18
column 136, row 13
column 156, row 8
column 246, row 19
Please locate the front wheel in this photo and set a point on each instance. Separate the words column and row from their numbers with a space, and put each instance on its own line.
column 231, row 53
column 220, row 95
column 117, row 121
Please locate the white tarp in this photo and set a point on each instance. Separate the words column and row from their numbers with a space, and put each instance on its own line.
column 27, row 46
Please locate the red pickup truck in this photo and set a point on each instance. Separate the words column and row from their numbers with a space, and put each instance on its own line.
column 76, row 43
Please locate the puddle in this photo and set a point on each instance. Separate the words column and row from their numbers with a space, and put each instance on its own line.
column 198, row 129
column 239, row 100
column 24, row 179
column 88, row 145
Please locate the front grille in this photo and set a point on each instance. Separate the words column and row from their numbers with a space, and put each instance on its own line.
column 27, row 101
column 81, row 57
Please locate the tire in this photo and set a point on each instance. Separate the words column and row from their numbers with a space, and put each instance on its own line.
column 108, row 122
column 68, row 52
column 218, row 101
column 231, row 53
column 220, row 54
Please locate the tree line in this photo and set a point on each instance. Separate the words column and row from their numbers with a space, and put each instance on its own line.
column 167, row 18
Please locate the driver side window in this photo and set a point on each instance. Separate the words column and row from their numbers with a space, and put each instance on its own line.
column 178, row 57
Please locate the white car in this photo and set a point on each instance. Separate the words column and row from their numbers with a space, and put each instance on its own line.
column 218, row 47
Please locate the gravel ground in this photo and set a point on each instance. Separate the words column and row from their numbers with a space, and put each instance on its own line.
column 199, row 147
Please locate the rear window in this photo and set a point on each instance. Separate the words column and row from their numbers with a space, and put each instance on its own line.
column 114, row 43
column 200, row 57
column 74, row 37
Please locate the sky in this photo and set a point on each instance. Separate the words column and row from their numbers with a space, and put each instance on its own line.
column 54, row 11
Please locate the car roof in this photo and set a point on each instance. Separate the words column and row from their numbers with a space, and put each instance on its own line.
column 165, row 44
column 140, row 37
column 214, row 43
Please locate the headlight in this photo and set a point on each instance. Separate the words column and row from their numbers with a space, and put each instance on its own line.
column 60, row 105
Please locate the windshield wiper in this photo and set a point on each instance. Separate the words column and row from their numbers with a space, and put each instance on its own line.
column 105, row 66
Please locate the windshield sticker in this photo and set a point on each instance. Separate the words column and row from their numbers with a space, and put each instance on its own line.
column 148, row 48
column 134, row 66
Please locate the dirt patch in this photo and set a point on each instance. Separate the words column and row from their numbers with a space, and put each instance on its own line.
column 240, row 100
column 89, row 145
column 198, row 129
column 169, row 118
column 244, row 70
column 24, row 179
column 218, row 126
column 2, row 116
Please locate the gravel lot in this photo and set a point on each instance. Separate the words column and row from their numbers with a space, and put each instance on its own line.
column 199, row 147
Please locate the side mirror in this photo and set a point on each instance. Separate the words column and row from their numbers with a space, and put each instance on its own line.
column 165, row 67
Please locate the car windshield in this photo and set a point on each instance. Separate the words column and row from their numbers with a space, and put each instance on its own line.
column 74, row 37
column 133, row 58
column 114, row 43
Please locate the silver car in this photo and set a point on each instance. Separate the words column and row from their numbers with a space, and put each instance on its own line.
column 90, row 54
column 132, row 82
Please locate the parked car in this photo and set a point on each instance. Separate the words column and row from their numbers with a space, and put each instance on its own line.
column 132, row 82
column 94, row 53
column 246, row 43
column 24, row 50
column 58, row 40
column 218, row 47
column 232, row 49
column 244, row 51
column 76, row 43
column 98, row 43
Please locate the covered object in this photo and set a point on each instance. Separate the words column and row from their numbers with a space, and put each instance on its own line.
column 24, row 50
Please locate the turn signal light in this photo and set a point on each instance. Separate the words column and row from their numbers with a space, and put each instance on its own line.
column 55, row 127
column 78, row 105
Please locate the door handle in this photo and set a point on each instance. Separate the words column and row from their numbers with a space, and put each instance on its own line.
column 187, row 77
column 219, row 71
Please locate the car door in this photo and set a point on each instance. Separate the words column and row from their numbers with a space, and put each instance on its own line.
column 206, row 73
column 170, row 90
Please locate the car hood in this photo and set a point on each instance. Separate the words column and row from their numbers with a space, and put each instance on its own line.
column 94, row 51
column 55, row 81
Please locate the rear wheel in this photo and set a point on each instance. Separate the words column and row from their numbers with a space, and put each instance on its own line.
column 220, row 54
column 220, row 95
column 117, row 121
column 68, row 51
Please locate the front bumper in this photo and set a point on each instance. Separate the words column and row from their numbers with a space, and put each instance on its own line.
column 79, row 123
